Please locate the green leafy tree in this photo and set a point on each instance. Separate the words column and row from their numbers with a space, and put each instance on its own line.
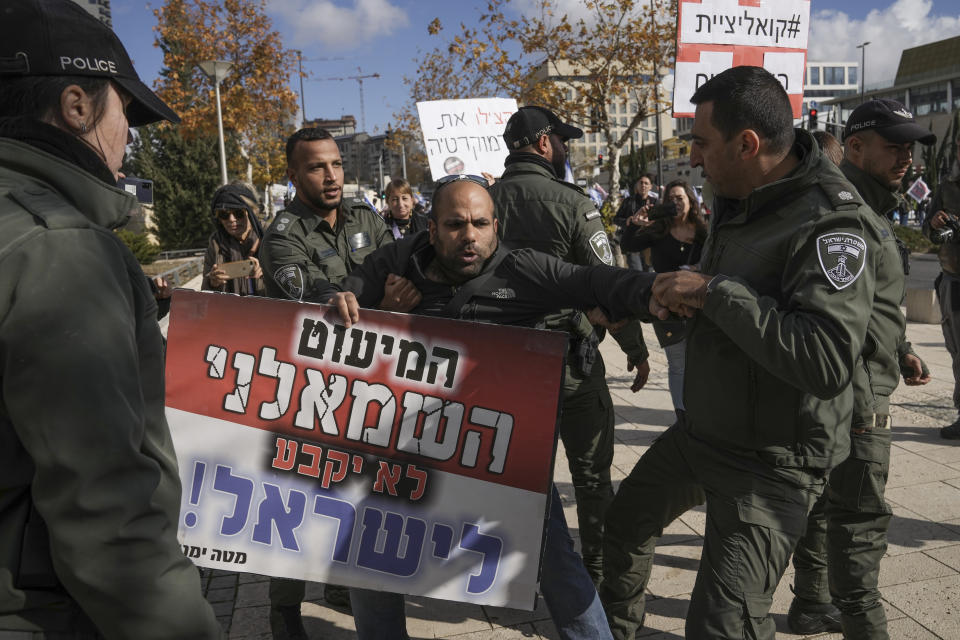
column 140, row 246
column 185, row 173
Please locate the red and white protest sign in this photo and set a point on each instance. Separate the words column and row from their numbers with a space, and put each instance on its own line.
column 404, row 454
column 715, row 35
column 918, row 190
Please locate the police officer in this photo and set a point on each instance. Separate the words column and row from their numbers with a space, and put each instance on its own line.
column 309, row 248
column 537, row 209
column 89, row 489
column 946, row 209
column 781, row 308
column 463, row 272
column 847, row 529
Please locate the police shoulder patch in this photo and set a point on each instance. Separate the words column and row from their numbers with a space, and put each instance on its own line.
column 290, row 279
column 282, row 224
column 601, row 247
column 590, row 215
column 842, row 257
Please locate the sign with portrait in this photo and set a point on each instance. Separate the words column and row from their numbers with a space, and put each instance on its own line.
column 465, row 136
column 404, row 454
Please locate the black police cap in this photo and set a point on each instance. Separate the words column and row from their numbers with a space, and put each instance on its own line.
column 890, row 119
column 528, row 124
column 59, row 38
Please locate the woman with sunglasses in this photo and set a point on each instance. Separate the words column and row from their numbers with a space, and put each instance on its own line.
column 236, row 238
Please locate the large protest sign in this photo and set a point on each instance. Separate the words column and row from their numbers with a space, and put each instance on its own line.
column 465, row 136
column 715, row 35
column 405, row 454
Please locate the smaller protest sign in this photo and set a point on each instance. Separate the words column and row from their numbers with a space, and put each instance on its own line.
column 918, row 190
column 465, row 136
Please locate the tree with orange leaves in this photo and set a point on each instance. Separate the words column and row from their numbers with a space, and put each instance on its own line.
column 257, row 102
column 578, row 67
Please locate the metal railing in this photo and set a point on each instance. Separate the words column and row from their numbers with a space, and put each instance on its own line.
column 179, row 253
column 184, row 272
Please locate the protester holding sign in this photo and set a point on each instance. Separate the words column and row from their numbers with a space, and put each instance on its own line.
column 463, row 272
column 90, row 494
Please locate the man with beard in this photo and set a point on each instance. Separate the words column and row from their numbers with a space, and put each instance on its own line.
column 847, row 528
column 462, row 272
column 312, row 245
column 535, row 208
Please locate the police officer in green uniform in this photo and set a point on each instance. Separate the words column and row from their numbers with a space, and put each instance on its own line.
column 89, row 488
column 847, row 529
column 537, row 209
column 780, row 314
column 944, row 211
column 312, row 245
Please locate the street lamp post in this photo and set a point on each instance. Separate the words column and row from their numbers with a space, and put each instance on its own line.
column 863, row 68
column 217, row 70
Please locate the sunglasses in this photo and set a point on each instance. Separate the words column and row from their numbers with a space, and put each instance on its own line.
column 224, row 214
column 444, row 181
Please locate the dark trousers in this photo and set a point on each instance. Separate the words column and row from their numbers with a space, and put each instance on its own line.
column 755, row 515
column 586, row 429
column 948, row 294
column 847, row 533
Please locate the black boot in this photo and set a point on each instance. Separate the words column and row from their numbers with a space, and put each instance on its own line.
column 286, row 623
column 951, row 431
column 806, row 617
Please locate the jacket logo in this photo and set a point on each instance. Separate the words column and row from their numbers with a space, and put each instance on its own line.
column 290, row 280
column 904, row 113
column 359, row 240
column 845, row 195
column 505, row 293
column 601, row 247
column 88, row 64
column 842, row 258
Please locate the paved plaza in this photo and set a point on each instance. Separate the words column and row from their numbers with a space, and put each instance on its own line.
column 920, row 575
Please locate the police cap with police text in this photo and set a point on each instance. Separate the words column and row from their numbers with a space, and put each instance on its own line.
column 59, row 38
column 528, row 124
column 890, row 119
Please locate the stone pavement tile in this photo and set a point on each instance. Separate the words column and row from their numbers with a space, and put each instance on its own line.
column 250, row 621
column 665, row 615
column 930, row 445
column 678, row 532
column 246, row 578
column 323, row 621
column 949, row 556
column 503, row 617
column 675, row 569
column 501, row 633
column 696, row 519
column 908, row 468
column 910, row 532
column 221, row 595
column 910, row 629
column 430, row 618
column 934, row 604
column 222, row 581
column 935, row 501
column 253, row 593
column 913, row 567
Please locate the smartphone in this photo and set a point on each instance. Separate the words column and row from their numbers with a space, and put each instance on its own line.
column 239, row 269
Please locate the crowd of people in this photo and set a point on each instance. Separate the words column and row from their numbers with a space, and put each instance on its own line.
column 791, row 293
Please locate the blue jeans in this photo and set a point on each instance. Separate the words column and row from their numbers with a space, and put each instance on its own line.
column 566, row 586
column 676, row 358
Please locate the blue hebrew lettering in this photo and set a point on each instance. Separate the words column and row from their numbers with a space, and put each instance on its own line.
column 389, row 560
column 442, row 540
column 490, row 547
column 242, row 489
column 286, row 518
column 346, row 514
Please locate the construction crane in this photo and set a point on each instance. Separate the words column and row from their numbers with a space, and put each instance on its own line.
column 359, row 79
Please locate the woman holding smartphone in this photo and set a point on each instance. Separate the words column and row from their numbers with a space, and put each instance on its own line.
column 230, row 264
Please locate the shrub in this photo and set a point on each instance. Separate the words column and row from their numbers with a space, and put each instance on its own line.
column 916, row 242
column 139, row 244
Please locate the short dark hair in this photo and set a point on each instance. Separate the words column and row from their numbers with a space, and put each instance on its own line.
column 38, row 97
column 749, row 98
column 308, row 134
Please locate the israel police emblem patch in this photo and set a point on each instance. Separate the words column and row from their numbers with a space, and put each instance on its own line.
column 601, row 247
column 842, row 258
column 290, row 279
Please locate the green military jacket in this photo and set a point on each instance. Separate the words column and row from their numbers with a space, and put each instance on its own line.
column 879, row 372
column 771, row 355
column 89, row 488
column 301, row 255
column 537, row 210
column 947, row 198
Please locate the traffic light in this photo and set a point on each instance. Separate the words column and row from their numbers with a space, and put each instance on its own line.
column 599, row 159
column 812, row 115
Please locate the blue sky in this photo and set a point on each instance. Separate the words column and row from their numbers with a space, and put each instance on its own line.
column 384, row 36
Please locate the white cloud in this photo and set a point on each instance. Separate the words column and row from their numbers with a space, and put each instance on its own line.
column 326, row 24
column 834, row 36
